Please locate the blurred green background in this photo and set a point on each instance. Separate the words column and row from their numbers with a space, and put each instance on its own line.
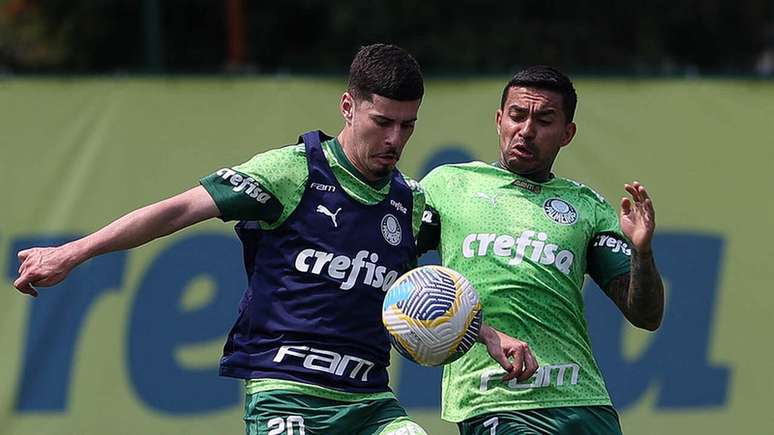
column 77, row 153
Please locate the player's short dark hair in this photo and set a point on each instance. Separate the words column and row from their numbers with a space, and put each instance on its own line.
column 385, row 70
column 545, row 78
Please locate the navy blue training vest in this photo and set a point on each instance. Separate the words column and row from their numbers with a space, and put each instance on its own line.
column 312, row 309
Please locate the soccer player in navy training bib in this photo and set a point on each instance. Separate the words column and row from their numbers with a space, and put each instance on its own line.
column 327, row 225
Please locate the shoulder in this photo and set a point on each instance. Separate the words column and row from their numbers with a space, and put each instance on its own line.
column 277, row 167
column 440, row 174
column 455, row 168
column 288, row 154
column 583, row 191
column 592, row 204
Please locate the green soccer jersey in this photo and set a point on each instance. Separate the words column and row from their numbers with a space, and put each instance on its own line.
column 525, row 247
column 268, row 187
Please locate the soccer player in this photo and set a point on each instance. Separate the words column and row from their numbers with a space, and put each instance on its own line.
column 326, row 226
column 525, row 238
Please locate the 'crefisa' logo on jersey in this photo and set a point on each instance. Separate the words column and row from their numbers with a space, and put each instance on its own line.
column 560, row 211
column 531, row 245
column 391, row 229
column 243, row 183
column 613, row 243
column 347, row 269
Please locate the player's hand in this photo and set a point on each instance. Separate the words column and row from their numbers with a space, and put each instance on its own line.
column 513, row 355
column 638, row 217
column 42, row 267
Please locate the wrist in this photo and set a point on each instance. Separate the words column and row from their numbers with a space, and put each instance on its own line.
column 485, row 333
column 76, row 252
column 646, row 251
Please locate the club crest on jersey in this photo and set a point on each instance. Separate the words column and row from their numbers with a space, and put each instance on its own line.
column 391, row 229
column 560, row 211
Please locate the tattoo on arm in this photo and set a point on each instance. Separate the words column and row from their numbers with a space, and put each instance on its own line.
column 640, row 294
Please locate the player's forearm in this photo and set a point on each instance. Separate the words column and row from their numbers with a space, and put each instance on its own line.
column 143, row 225
column 129, row 231
column 486, row 334
column 645, row 296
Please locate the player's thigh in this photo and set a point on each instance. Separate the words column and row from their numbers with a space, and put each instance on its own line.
column 387, row 417
column 591, row 420
column 275, row 413
column 271, row 413
column 493, row 424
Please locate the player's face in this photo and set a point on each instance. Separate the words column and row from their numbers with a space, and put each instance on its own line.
column 377, row 131
column 532, row 129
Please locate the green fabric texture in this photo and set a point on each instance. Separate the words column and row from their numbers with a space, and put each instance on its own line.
column 282, row 173
column 523, row 246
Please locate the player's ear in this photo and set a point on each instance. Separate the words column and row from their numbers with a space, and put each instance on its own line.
column 569, row 133
column 347, row 107
column 498, row 118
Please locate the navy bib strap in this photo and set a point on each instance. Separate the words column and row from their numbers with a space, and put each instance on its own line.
column 313, row 146
column 319, row 170
column 313, row 138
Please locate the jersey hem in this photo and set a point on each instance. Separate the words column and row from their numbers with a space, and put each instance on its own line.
column 253, row 386
column 505, row 407
column 216, row 196
column 254, row 374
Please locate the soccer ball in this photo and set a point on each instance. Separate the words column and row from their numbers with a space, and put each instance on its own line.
column 432, row 314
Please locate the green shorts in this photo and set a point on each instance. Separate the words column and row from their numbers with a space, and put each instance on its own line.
column 292, row 413
column 571, row 420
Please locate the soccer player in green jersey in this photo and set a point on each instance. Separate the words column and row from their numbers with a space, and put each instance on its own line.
column 525, row 238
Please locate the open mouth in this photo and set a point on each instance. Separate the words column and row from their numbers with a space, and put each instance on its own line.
column 523, row 152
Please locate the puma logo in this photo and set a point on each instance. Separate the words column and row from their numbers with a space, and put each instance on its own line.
column 324, row 210
column 492, row 199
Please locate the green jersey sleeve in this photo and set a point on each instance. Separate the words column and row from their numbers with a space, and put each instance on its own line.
column 262, row 189
column 609, row 252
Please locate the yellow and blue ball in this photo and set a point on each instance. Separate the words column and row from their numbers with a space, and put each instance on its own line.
column 432, row 314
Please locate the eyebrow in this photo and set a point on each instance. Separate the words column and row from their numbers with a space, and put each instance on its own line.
column 548, row 111
column 392, row 120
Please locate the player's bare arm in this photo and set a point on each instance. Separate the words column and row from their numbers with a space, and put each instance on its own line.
column 48, row 266
column 640, row 294
column 512, row 354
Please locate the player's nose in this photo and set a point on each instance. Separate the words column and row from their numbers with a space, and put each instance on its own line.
column 527, row 128
column 393, row 135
